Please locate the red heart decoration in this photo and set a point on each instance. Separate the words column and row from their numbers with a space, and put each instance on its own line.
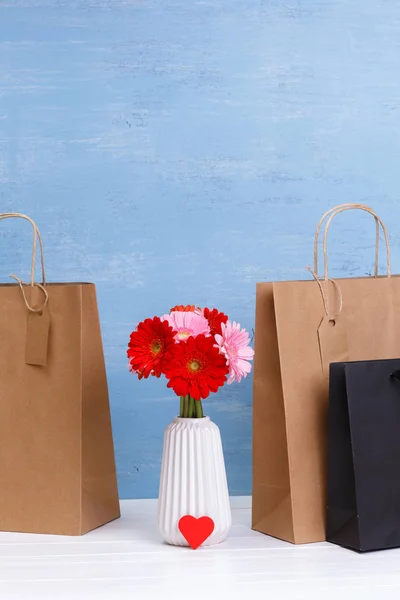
column 195, row 531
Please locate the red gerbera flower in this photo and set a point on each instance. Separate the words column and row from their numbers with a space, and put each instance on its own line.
column 148, row 347
column 195, row 367
column 214, row 318
column 182, row 308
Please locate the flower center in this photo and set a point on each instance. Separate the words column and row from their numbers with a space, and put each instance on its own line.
column 183, row 334
column 194, row 366
column 156, row 347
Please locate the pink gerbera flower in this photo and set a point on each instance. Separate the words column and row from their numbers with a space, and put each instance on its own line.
column 234, row 344
column 187, row 324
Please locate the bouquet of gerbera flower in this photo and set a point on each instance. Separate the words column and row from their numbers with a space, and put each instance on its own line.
column 198, row 351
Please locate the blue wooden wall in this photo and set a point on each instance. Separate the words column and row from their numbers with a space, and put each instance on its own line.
column 178, row 151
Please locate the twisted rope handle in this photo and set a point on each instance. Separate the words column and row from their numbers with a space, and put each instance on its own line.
column 331, row 214
column 336, row 210
column 36, row 236
column 378, row 221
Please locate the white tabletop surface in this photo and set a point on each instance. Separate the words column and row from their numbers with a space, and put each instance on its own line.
column 128, row 560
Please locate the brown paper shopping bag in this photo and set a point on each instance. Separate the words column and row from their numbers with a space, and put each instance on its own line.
column 57, row 469
column 301, row 327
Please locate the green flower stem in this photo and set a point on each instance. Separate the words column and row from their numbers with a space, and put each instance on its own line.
column 186, row 409
column 191, row 407
column 198, row 409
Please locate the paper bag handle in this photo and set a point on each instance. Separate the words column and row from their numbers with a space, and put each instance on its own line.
column 38, row 318
column 36, row 235
column 378, row 221
column 336, row 210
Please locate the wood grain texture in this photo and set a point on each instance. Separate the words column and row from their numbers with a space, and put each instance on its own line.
column 127, row 559
column 176, row 151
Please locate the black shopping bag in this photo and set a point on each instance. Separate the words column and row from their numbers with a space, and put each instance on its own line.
column 363, row 504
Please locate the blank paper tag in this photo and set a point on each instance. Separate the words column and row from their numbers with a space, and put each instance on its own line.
column 37, row 337
column 333, row 343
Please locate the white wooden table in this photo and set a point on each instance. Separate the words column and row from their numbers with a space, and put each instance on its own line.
column 127, row 560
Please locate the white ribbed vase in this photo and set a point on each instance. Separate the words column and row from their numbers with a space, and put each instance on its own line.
column 193, row 480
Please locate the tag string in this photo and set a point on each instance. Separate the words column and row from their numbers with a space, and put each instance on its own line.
column 324, row 296
column 41, row 287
